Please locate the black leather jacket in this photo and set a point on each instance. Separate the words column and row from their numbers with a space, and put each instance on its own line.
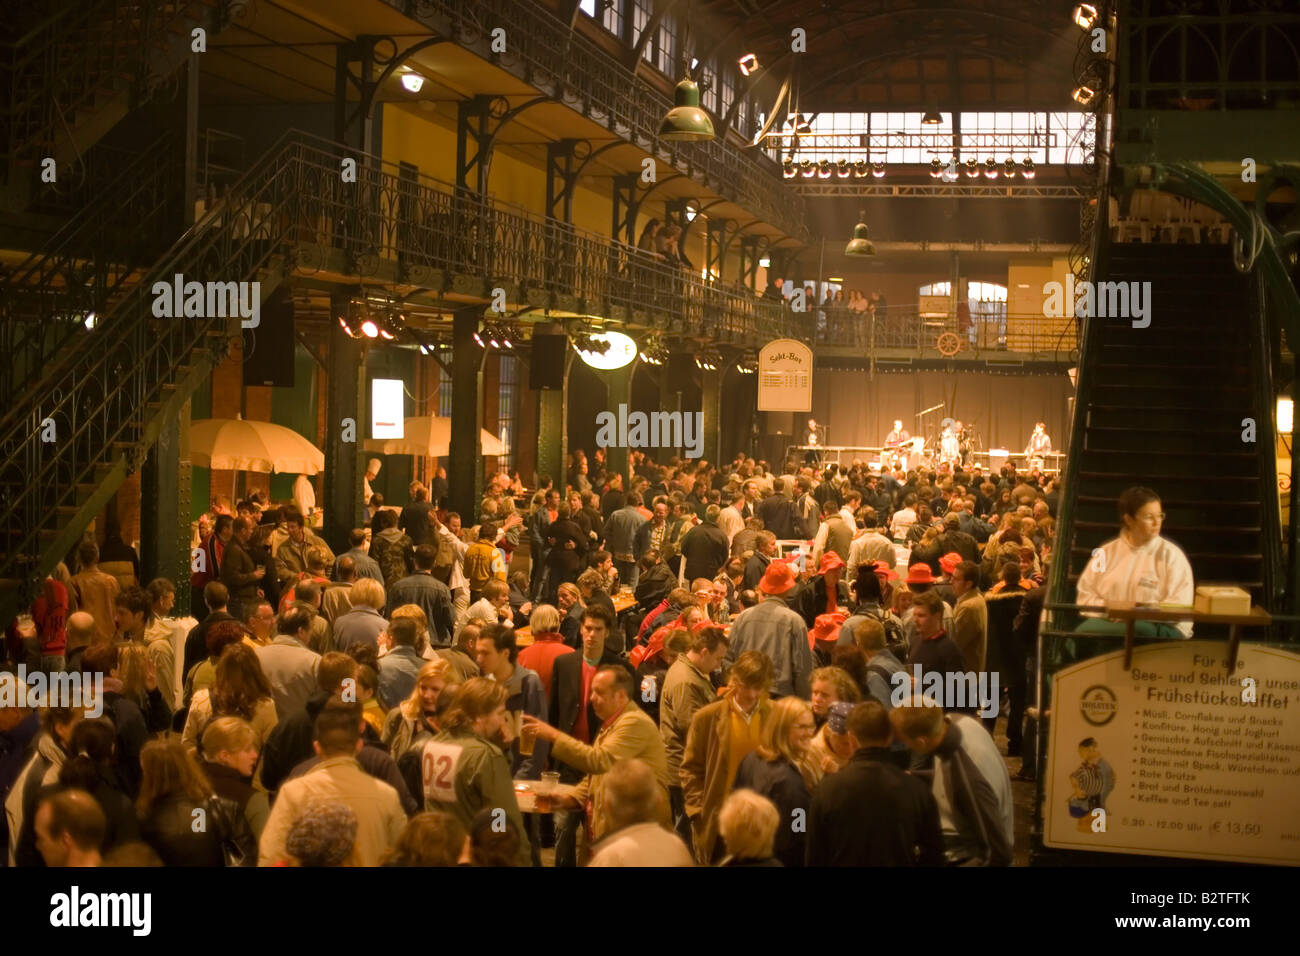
column 220, row 836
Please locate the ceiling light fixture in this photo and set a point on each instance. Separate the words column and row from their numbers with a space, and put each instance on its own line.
column 369, row 329
column 843, row 169
column 412, row 82
column 931, row 118
column 686, row 122
column 860, row 244
column 990, row 168
column 1027, row 168
column 878, row 170
column 1085, row 15
column 973, row 168
column 824, row 169
column 1009, row 167
column 748, row 64
column 1083, row 95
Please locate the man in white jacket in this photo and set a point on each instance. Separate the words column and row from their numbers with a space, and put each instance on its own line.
column 1138, row 566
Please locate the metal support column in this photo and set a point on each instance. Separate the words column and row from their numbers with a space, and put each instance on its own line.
column 552, row 422
column 715, row 247
column 346, row 427
column 619, row 392
column 749, row 262
column 473, row 137
column 562, row 167
column 465, row 465
column 625, row 208
column 711, row 400
column 165, row 512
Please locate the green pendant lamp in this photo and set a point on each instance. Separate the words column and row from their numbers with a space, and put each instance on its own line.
column 686, row 122
column 860, row 244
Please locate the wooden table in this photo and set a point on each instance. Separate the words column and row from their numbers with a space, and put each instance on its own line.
column 1130, row 614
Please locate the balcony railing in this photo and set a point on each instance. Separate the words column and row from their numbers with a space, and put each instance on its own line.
column 544, row 52
column 905, row 328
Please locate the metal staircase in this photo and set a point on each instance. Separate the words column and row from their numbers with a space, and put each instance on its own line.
column 74, row 75
column 48, row 301
column 108, row 397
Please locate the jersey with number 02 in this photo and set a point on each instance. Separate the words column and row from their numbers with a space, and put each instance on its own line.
column 438, row 767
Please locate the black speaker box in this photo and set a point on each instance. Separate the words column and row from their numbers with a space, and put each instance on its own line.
column 546, row 369
column 681, row 371
column 268, row 348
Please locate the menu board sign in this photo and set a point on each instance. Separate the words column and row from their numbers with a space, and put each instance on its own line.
column 1175, row 757
column 785, row 377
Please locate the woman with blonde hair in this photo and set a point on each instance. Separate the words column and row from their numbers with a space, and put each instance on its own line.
column 174, row 794
column 139, row 676
column 230, row 756
column 415, row 715
column 901, row 602
column 748, row 824
column 831, row 685
column 468, row 769
column 415, row 613
column 774, row 771
column 240, row 689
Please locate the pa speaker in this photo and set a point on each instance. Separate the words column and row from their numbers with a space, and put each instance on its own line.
column 268, row 348
column 546, row 370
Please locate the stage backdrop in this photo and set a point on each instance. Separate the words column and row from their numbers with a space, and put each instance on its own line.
column 859, row 410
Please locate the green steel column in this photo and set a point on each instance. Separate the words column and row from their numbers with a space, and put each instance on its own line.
column 465, row 465
column 165, row 509
column 711, row 400
column 552, row 428
column 619, row 385
column 346, row 428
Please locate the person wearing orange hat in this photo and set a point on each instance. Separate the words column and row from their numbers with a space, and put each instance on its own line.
column 777, row 631
column 885, row 574
column 824, row 635
column 919, row 580
column 825, row 592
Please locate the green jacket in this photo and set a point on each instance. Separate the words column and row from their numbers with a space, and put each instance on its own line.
column 480, row 775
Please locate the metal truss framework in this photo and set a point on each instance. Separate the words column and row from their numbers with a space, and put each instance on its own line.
column 861, row 188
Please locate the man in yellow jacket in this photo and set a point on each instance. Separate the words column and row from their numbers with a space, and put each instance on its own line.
column 626, row 731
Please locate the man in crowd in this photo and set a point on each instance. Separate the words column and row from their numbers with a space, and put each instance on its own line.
column 362, row 562
column 400, row 667
column 95, row 590
column 869, row 545
column 934, row 650
column 632, row 805
column 704, row 547
column 70, row 829
column 131, row 608
column 363, row 624
column 777, row 512
column 778, row 632
column 902, row 828
column 289, row 665
column 291, row 555
column 428, row 593
column 496, row 654
column 970, row 616
column 415, row 516
column 971, row 785
column 239, row 572
column 756, row 566
column 216, row 598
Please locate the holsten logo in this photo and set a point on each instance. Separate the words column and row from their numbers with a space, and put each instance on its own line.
column 74, row 908
column 656, row 430
column 200, row 300
column 952, row 690
column 36, row 689
column 1114, row 300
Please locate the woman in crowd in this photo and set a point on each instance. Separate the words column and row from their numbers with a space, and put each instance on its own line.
column 730, row 577
column 174, row 793
column 830, row 685
column 773, row 770
column 1139, row 566
column 137, row 672
column 654, row 667
column 830, row 749
column 324, row 834
column 469, row 768
column 430, row 839
column 92, row 766
column 548, row 644
column 415, row 715
column 239, row 689
column 230, row 757
column 748, row 823
column 219, row 637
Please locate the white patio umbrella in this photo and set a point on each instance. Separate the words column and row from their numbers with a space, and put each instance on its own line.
column 232, row 443
column 429, row 435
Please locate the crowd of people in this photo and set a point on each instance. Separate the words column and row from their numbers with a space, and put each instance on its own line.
column 404, row 701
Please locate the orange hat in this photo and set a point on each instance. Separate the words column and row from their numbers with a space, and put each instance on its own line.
column 882, row 567
column 827, row 628
column 830, row 561
column 950, row 561
column 920, row 574
column 777, row 579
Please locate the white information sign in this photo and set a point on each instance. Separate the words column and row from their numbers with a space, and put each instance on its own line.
column 785, row 368
column 1174, row 757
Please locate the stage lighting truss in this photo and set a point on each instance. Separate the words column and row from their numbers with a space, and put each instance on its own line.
column 710, row 360
column 496, row 335
column 653, row 351
column 747, row 364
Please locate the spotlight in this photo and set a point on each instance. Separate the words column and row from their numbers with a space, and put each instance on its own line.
column 412, row 82
column 843, row 168
column 369, row 329
column 860, row 168
column 691, row 212
column 91, row 320
column 1083, row 95
column 1027, row 168
column 824, row 169
column 990, row 168
column 1085, row 15
column 1009, row 167
column 748, row 64
column 973, row 168
column 878, row 170
column 789, row 170
column 931, row 118
column 936, row 167
column 478, row 340
column 808, row 168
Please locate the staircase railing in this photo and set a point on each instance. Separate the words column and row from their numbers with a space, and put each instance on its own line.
column 63, row 457
column 46, row 299
column 61, row 65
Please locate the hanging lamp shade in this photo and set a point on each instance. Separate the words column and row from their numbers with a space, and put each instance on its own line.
column 931, row 118
column 686, row 122
column 860, row 244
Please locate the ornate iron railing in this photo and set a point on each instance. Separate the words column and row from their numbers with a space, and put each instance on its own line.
column 66, row 64
column 543, row 52
column 45, row 300
column 928, row 336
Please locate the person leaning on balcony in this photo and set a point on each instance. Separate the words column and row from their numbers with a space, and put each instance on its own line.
column 1140, row 566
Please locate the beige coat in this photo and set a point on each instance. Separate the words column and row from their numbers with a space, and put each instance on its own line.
column 705, row 782
column 200, row 715
column 631, row 734
column 970, row 629
column 380, row 819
